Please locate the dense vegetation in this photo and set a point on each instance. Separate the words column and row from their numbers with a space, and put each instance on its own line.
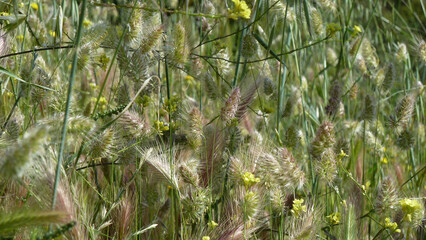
column 212, row 119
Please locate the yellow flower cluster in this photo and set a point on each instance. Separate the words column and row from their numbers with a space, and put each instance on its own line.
column 392, row 225
column 334, row 218
column 240, row 10
column 332, row 28
column 212, row 224
column 206, row 238
column 34, row 6
column 298, row 207
column 410, row 207
column 160, row 127
column 249, row 179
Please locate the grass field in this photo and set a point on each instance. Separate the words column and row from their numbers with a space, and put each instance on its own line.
column 212, row 119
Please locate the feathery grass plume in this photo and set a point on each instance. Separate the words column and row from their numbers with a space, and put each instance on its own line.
column 405, row 139
column 90, row 42
column 188, row 175
column 354, row 47
column 332, row 57
column 133, row 126
column 234, row 139
column 387, row 197
column 317, row 21
column 353, row 92
column 281, row 170
column 18, row 219
column 135, row 25
column 361, row 65
column 148, row 43
column 369, row 113
column 327, row 4
column 403, row 111
column 212, row 154
column 19, row 156
column 422, row 50
column 247, row 97
column 210, row 86
column 103, row 144
column 194, row 206
column 401, row 52
column 195, row 129
column 280, row 9
column 296, row 177
column 303, row 227
column 231, row 106
column 223, row 67
column 324, row 138
column 369, row 53
column 158, row 161
column 323, row 153
column 389, row 78
column 122, row 219
column 335, row 98
column 293, row 138
column 12, row 130
column 180, row 44
column 291, row 103
column 249, row 47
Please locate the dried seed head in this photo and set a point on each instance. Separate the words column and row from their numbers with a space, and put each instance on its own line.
column 422, row 50
column 180, row 48
column 103, row 144
column 249, row 47
column 268, row 86
column 324, row 139
column 328, row 4
column 317, row 21
column 195, row 134
column 405, row 139
column 332, row 58
column 369, row 108
column 369, row 54
column 231, row 106
column 335, row 98
column 18, row 157
column 401, row 53
column 387, row 196
column 389, row 78
column 403, row 111
column 210, row 86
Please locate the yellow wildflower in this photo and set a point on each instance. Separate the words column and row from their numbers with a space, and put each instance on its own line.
column 160, row 127
column 334, row 218
column 212, row 224
column 240, row 10
column 298, row 207
column 206, row 238
column 20, row 37
column 34, row 6
column 249, row 179
column 52, row 33
column 332, row 28
column 4, row 14
column 87, row 23
column 384, row 160
column 411, row 208
column 391, row 225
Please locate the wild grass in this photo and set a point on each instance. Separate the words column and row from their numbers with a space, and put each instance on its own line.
column 236, row 119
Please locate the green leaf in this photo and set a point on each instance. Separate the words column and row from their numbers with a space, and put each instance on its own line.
column 5, row 71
